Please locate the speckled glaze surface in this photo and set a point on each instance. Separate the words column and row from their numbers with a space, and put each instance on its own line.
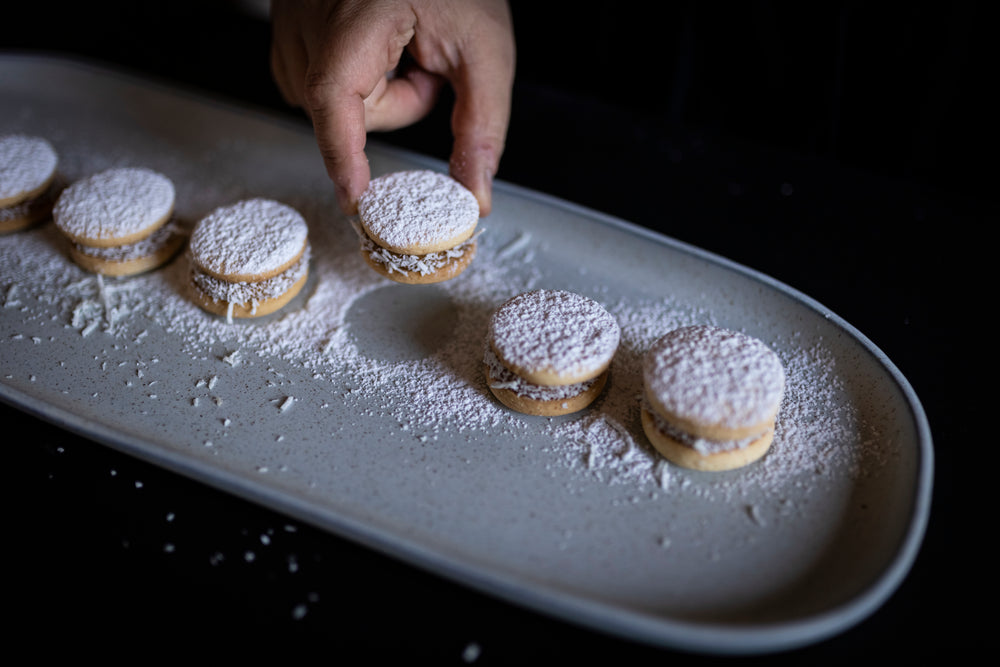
column 361, row 407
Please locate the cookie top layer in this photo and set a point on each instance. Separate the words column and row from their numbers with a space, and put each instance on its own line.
column 250, row 240
column 713, row 382
column 115, row 207
column 554, row 337
column 27, row 167
column 417, row 212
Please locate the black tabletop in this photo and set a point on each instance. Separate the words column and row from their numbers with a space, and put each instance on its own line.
column 761, row 135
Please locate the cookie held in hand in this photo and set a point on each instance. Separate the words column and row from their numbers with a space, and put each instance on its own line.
column 417, row 227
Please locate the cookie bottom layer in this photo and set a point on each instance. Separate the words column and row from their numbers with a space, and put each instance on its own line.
column 686, row 456
column 548, row 407
column 246, row 310
column 29, row 213
column 452, row 267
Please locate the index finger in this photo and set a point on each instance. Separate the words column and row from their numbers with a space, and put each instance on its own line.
column 350, row 64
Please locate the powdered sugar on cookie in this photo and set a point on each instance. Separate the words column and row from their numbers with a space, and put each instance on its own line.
column 117, row 204
column 711, row 375
column 419, row 211
column 554, row 333
column 27, row 164
column 249, row 240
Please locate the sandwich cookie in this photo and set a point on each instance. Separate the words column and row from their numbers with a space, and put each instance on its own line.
column 711, row 397
column 120, row 222
column 248, row 259
column 548, row 352
column 417, row 227
column 28, row 182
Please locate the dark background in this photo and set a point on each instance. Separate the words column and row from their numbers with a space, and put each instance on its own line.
column 845, row 150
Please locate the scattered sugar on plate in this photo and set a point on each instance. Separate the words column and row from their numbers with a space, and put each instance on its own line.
column 442, row 392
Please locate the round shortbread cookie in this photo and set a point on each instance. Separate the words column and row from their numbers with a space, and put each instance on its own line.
column 420, row 269
column 417, row 212
column 554, row 337
column 27, row 168
column 688, row 452
column 249, row 241
column 145, row 255
column 115, row 207
column 714, row 383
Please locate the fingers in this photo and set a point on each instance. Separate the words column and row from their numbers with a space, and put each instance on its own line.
column 346, row 91
column 403, row 101
column 332, row 59
column 483, row 85
column 339, row 125
column 479, row 123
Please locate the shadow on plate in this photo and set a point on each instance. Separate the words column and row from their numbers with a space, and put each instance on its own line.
column 398, row 323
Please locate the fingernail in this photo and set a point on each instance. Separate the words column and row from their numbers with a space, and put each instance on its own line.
column 484, row 192
column 347, row 204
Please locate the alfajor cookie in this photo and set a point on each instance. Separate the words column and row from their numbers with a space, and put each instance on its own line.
column 248, row 259
column 548, row 352
column 417, row 226
column 120, row 222
column 28, row 181
column 711, row 397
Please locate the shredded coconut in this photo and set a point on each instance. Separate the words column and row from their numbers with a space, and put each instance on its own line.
column 404, row 264
column 251, row 292
column 703, row 446
column 500, row 377
column 129, row 251
column 31, row 209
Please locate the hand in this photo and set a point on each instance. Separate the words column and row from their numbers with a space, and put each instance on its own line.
column 336, row 59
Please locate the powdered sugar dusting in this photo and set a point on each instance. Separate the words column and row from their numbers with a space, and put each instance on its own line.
column 363, row 402
column 445, row 392
column 250, row 238
column 556, row 332
column 26, row 164
column 713, row 376
column 116, row 203
column 413, row 211
column 815, row 433
column 441, row 393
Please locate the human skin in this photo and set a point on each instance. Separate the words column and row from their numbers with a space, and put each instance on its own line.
column 338, row 59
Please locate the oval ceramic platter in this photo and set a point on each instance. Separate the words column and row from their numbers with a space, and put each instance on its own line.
column 361, row 407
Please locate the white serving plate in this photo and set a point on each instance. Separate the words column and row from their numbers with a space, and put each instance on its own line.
column 361, row 407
